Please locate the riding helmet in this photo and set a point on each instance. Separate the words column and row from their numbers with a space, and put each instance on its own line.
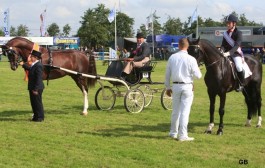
column 231, row 18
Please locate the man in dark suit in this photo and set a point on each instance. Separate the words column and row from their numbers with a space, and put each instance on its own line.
column 35, row 85
column 138, row 57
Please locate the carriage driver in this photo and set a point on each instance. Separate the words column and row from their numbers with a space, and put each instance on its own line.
column 231, row 47
column 139, row 57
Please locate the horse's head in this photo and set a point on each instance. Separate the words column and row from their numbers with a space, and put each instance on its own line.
column 195, row 50
column 204, row 51
column 16, row 50
column 12, row 55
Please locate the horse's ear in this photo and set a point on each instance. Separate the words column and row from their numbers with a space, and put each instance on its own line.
column 197, row 41
column 88, row 51
column 4, row 47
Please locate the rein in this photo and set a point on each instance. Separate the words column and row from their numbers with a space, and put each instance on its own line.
column 213, row 63
column 199, row 49
column 13, row 52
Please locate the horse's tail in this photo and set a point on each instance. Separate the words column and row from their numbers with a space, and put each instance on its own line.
column 252, row 91
column 92, row 70
column 252, row 100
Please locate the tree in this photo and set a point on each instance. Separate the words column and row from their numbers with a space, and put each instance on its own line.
column 66, row 30
column 13, row 31
column 157, row 28
column 22, row 30
column 242, row 20
column 94, row 27
column 173, row 26
column 2, row 32
column 143, row 30
column 53, row 30
column 124, row 25
column 96, row 30
column 211, row 23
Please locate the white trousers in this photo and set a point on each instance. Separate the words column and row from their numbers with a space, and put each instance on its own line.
column 239, row 63
column 182, row 101
column 129, row 66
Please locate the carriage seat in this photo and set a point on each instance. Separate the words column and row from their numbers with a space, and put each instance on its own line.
column 145, row 68
column 148, row 67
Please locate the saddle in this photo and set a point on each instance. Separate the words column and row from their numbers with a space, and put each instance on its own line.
column 233, row 67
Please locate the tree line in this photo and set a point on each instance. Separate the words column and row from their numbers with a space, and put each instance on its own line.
column 96, row 30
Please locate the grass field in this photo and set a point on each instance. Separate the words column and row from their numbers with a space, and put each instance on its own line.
column 116, row 138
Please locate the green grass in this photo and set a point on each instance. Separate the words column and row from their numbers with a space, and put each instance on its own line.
column 117, row 138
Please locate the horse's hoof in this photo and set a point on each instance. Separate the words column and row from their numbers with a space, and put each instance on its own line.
column 83, row 113
column 247, row 125
column 219, row 132
column 258, row 126
column 208, row 132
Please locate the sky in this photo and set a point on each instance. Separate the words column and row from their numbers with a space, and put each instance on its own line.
column 62, row 12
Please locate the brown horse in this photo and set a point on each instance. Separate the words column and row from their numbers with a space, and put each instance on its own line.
column 20, row 48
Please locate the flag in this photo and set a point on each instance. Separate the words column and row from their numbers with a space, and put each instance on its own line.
column 194, row 17
column 43, row 23
column 149, row 22
column 6, row 23
column 112, row 54
column 111, row 16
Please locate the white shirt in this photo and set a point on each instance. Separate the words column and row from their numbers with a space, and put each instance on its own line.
column 33, row 63
column 181, row 67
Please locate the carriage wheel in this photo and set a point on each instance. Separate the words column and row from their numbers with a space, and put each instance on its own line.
column 148, row 94
column 105, row 98
column 166, row 101
column 134, row 101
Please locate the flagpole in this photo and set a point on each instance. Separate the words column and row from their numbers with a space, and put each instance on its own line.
column 197, row 29
column 197, row 26
column 115, row 30
column 153, row 38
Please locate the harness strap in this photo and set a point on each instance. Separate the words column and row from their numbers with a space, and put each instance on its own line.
column 50, row 62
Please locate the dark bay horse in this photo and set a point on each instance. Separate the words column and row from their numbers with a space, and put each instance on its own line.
column 220, row 79
column 20, row 48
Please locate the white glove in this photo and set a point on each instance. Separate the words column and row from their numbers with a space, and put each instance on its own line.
column 221, row 50
column 226, row 54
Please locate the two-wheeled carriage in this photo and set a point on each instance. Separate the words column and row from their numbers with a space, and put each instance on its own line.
column 137, row 93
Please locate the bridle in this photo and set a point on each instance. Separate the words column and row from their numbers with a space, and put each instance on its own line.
column 199, row 50
column 12, row 56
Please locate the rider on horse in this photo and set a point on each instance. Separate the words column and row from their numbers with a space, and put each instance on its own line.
column 231, row 47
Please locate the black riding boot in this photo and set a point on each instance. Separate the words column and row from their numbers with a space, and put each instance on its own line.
column 241, row 80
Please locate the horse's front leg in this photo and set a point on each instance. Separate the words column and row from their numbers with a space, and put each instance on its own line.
column 212, row 108
column 221, row 114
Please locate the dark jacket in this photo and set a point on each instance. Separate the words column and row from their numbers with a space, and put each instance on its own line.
column 35, row 76
column 237, row 37
column 140, row 53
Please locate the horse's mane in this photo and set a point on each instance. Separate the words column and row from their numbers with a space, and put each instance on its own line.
column 19, row 38
column 211, row 45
